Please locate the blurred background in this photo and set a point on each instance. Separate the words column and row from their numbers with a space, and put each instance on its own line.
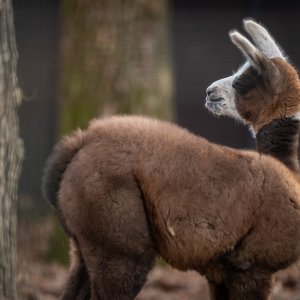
column 81, row 59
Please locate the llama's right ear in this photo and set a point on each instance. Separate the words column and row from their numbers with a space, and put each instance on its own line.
column 254, row 56
column 262, row 39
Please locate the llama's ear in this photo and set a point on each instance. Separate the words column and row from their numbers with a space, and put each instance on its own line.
column 262, row 39
column 255, row 57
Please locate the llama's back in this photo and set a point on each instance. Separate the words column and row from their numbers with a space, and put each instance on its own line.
column 117, row 130
column 119, row 135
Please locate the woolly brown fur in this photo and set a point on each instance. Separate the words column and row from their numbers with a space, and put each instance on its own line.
column 138, row 187
column 130, row 188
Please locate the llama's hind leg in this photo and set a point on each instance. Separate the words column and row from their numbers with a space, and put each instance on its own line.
column 78, row 282
column 250, row 285
column 111, row 225
column 117, row 275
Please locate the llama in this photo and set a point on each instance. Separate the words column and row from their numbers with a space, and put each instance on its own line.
column 130, row 188
column 276, row 124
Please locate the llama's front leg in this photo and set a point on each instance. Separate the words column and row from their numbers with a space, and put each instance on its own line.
column 250, row 285
column 218, row 291
column 216, row 275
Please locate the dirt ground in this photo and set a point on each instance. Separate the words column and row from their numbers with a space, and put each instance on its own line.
column 40, row 280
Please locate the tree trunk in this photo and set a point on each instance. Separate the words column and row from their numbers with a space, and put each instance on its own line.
column 116, row 59
column 11, row 151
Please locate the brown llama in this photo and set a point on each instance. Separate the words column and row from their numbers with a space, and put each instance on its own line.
column 279, row 136
column 277, row 132
column 130, row 188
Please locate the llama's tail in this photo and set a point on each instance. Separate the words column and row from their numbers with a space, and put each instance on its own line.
column 58, row 162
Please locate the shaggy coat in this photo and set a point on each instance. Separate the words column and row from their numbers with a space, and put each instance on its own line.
column 130, row 188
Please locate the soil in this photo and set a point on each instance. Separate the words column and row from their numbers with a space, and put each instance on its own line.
column 42, row 280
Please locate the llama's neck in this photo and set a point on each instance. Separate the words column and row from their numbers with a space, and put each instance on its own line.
column 280, row 140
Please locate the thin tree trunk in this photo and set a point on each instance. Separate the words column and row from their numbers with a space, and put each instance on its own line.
column 11, row 151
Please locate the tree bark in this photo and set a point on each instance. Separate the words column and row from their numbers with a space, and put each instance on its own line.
column 116, row 59
column 11, row 151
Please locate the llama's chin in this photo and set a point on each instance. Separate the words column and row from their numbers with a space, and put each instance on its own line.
column 222, row 107
column 216, row 107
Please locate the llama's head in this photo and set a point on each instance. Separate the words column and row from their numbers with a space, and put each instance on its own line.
column 265, row 88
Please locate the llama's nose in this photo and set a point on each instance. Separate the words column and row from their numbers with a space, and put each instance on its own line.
column 210, row 90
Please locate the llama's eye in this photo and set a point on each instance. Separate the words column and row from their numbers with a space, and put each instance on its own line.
column 243, row 84
column 247, row 115
column 246, row 82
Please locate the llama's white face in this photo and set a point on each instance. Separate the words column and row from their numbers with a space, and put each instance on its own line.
column 223, row 95
column 220, row 98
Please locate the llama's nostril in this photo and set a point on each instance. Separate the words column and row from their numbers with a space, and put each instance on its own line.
column 210, row 90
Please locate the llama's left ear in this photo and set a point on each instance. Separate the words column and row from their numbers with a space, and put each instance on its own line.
column 263, row 39
column 254, row 56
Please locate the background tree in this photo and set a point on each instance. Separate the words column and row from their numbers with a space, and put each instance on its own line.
column 10, row 151
column 116, row 59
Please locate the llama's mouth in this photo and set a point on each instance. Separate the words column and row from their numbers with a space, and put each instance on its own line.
column 215, row 105
column 214, row 100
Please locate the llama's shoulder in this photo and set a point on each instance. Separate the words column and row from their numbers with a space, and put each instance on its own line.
column 277, row 177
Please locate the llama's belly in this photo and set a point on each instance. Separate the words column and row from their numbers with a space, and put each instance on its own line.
column 191, row 246
column 189, row 236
